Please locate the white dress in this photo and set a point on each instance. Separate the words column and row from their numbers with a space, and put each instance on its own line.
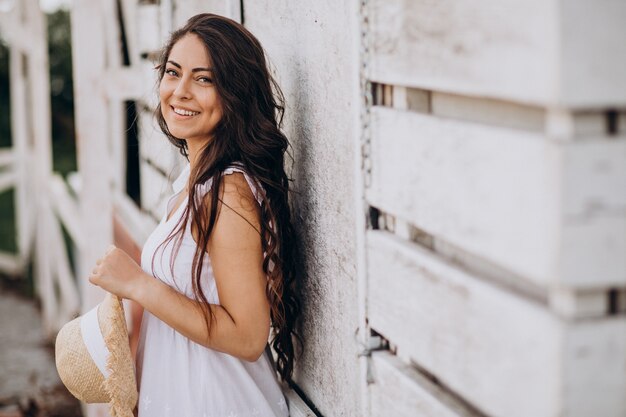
column 178, row 377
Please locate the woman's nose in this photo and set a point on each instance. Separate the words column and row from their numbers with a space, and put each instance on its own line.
column 182, row 89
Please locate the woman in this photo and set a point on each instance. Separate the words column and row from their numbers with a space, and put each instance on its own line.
column 224, row 252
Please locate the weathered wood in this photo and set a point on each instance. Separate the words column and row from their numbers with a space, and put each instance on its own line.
column 66, row 208
column 592, row 253
column 571, row 304
column 399, row 390
column 11, row 263
column 22, row 145
column 593, row 61
column 137, row 224
column 594, row 177
column 129, row 10
column 465, row 183
column 68, row 298
column 488, row 111
column 529, row 51
column 7, row 180
column 89, row 64
column 185, row 10
column 148, row 31
column 43, row 267
column 501, row 352
column 123, row 84
column 153, row 145
column 7, row 158
column 593, row 364
column 501, row 48
column 155, row 190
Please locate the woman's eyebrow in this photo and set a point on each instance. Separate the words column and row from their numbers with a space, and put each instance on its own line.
column 199, row 69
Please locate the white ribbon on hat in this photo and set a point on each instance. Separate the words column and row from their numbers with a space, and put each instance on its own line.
column 94, row 341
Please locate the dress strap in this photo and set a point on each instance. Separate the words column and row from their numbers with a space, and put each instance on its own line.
column 255, row 186
column 252, row 182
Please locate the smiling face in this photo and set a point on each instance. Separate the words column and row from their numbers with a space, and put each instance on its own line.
column 189, row 101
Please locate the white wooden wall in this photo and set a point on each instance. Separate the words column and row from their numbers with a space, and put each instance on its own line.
column 498, row 264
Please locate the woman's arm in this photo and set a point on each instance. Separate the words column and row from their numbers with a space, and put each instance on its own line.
column 242, row 320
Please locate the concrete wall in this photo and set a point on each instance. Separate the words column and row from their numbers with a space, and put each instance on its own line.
column 311, row 45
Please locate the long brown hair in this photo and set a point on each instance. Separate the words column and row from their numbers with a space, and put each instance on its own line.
column 249, row 134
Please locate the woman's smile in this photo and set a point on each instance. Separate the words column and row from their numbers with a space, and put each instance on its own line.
column 184, row 113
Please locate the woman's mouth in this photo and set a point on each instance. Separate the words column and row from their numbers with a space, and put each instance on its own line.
column 183, row 112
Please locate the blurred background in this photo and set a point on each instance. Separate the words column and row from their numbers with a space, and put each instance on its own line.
column 459, row 177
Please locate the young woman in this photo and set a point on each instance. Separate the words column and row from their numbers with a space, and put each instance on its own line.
column 218, row 272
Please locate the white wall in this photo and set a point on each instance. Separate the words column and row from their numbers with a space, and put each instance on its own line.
column 311, row 45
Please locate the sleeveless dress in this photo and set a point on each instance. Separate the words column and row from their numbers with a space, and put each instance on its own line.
column 178, row 377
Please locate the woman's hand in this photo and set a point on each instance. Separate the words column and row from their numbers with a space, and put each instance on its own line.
column 117, row 273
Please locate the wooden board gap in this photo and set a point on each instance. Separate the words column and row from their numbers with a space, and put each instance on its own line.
column 488, row 111
column 612, row 122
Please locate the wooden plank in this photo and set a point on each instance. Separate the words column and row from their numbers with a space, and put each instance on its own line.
column 148, row 30
column 488, row 111
column 399, row 390
column 149, row 97
column 43, row 267
column 499, row 48
column 11, row 264
column 502, row 353
column 137, row 224
column 89, row 64
column 185, row 10
column 7, row 180
column 155, row 190
column 24, row 213
column 594, row 60
column 123, row 83
column 593, row 249
column 68, row 298
column 131, row 25
column 464, row 183
column 167, row 19
column 594, row 174
column 529, row 51
column 153, row 145
column 7, row 157
column 66, row 208
column 112, row 34
column 594, row 377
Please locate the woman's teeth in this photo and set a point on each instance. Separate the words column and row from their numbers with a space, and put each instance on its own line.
column 185, row 112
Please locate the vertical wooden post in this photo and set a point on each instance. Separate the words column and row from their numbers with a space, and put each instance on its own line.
column 38, row 125
column 94, row 164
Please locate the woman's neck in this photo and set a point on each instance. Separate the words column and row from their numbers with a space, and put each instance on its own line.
column 194, row 147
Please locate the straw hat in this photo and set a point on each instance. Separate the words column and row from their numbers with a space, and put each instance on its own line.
column 93, row 358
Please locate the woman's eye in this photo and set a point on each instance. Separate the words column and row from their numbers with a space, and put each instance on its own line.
column 205, row 80
column 171, row 72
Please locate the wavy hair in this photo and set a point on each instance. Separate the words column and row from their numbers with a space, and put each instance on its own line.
column 248, row 134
